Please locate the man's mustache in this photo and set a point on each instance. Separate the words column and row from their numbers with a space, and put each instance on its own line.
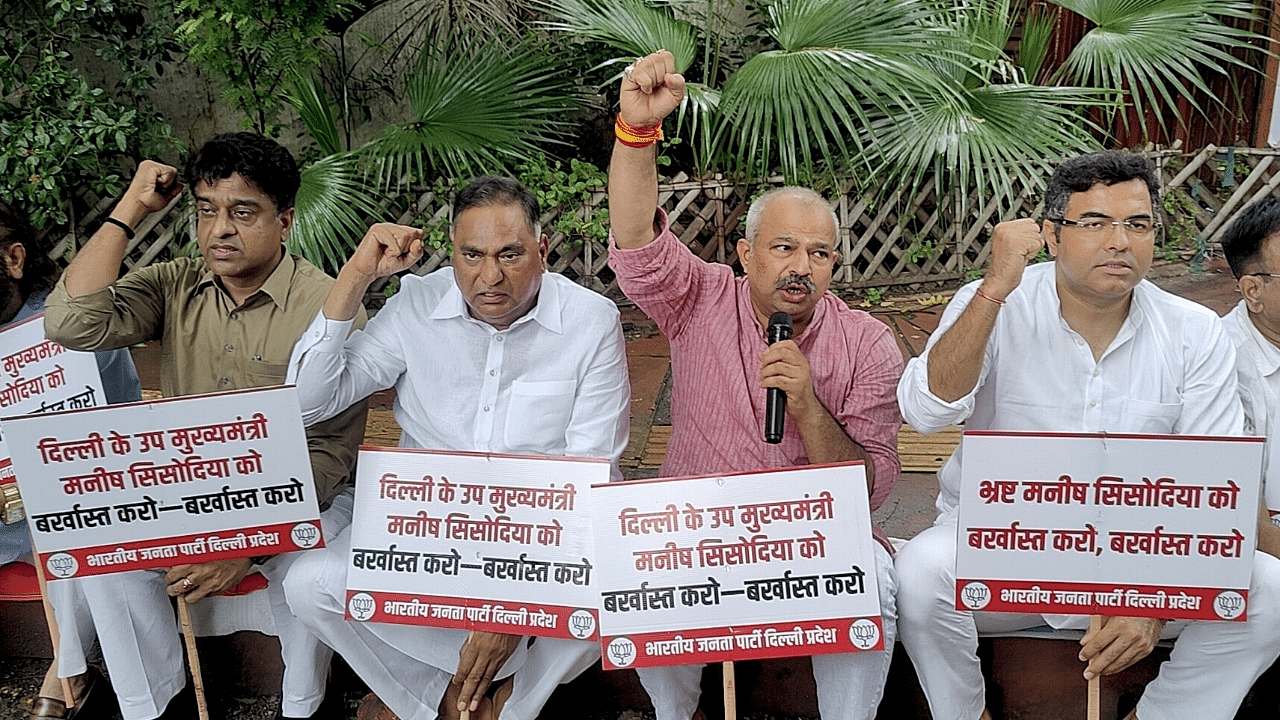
column 794, row 279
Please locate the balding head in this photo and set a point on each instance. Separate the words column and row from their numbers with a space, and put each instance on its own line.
column 794, row 192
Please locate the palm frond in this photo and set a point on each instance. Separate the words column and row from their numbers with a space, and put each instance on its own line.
column 308, row 98
column 1154, row 50
column 1037, row 32
column 334, row 205
column 811, row 100
column 477, row 104
column 999, row 138
column 634, row 27
column 696, row 123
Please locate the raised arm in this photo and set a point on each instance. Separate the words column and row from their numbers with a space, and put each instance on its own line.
column 386, row 249
column 319, row 365
column 955, row 361
column 96, row 265
column 650, row 90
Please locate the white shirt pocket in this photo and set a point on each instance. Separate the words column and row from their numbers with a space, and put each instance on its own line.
column 1144, row 416
column 539, row 415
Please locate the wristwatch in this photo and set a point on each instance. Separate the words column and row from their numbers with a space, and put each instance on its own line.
column 11, row 508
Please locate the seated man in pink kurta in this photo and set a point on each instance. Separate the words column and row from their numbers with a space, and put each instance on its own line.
column 839, row 373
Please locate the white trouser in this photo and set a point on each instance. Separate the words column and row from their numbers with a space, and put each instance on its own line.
column 409, row 667
column 1212, row 666
column 849, row 685
column 133, row 619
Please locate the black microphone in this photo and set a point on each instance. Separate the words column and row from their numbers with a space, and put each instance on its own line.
column 775, row 405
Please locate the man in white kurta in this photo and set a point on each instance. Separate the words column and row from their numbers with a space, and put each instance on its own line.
column 492, row 355
column 1081, row 344
column 1252, row 246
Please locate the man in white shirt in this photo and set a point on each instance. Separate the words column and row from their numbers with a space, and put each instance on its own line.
column 492, row 355
column 1252, row 246
column 1081, row 344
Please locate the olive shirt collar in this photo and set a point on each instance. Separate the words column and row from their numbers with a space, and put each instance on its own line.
column 275, row 287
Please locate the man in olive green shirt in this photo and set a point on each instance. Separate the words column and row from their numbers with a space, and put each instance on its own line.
column 226, row 321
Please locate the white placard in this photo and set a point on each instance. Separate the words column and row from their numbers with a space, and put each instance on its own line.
column 156, row 484
column 752, row 565
column 42, row 376
column 1159, row 526
column 500, row 543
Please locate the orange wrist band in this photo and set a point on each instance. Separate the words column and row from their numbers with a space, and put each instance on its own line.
column 636, row 137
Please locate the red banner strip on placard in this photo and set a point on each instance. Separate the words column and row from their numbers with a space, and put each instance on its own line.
column 184, row 549
column 745, row 642
column 519, row 618
column 1076, row 598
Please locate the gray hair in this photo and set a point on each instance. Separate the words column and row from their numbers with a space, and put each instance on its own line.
column 496, row 190
column 794, row 191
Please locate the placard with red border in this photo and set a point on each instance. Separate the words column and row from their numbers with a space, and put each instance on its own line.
column 135, row 486
column 1160, row 526
column 42, row 376
column 735, row 567
column 477, row 541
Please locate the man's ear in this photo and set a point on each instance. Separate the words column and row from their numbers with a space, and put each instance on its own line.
column 744, row 253
column 286, row 223
column 1251, row 289
column 544, row 249
column 1048, row 232
column 14, row 258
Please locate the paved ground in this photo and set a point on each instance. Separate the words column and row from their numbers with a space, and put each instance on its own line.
column 908, row 511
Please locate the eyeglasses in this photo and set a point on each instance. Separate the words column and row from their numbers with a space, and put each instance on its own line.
column 1265, row 275
column 1093, row 226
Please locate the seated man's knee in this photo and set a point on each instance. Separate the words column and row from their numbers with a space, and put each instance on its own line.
column 923, row 566
column 1264, row 596
column 301, row 582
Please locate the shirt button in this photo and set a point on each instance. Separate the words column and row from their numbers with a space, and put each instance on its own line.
column 1093, row 403
column 1096, row 372
column 224, row 381
column 492, row 373
column 235, row 316
column 499, row 338
column 230, row 348
column 486, row 408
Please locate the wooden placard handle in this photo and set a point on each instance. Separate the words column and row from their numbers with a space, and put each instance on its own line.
column 193, row 658
column 1095, row 685
column 730, row 693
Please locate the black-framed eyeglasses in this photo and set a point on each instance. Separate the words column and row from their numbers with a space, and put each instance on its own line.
column 1137, row 227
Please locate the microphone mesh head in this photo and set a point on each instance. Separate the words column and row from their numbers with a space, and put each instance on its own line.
column 779, row 328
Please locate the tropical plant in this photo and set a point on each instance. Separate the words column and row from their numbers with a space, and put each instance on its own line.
column 902, row 90
column 59, row 132
column 1156, row 52
column 256, row 45
column 478, row 107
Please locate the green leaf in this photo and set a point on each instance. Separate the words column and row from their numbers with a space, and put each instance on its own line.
column 1152, row 51
column 838, row 67
column 633, row 27
column 334, row 207
column 1037, row 33
column 477, row 104
column 316, row 112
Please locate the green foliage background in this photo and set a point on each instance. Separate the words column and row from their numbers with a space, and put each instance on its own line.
column 58, row 130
